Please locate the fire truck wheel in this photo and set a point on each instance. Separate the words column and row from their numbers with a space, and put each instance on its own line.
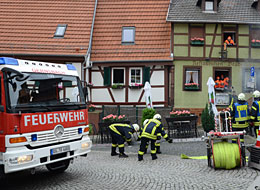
column 58, row 167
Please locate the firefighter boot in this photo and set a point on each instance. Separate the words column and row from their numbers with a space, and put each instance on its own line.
column 154, row 157
column 122, row 155
column 113, row 151
column 158, row 151
column 140, row 157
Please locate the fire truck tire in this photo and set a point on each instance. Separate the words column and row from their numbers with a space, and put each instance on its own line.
column 2, row 173
column 58, row 167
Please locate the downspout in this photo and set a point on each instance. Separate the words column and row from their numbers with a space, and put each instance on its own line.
column 87, row 64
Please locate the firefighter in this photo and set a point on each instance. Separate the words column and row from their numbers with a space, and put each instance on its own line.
column 149, row 134
column 255, row 112
column 217, row 82
column 229, row 41
column 120, row 133
column 240, row 116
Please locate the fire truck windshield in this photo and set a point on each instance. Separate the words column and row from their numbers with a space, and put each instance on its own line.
column 38, row 91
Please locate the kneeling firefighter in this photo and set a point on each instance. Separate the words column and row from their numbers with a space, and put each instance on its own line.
column 149, row 134
column 120, row 133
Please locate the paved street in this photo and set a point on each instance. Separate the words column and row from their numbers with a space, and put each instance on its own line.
column 101, row 171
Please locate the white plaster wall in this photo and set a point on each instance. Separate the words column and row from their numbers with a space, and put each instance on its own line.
column 134, row 94
column 119, row 94
column 97, row 79
column 157, row 78
column 157, row 95
column 100, row 95
column 78, row 68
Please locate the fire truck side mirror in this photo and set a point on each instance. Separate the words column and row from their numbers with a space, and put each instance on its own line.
column 2, row 109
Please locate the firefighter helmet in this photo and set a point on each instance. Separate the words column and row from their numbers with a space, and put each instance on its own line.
column 242, row 97
column 256, row 94
column 145, row 122
column 157, row 116
column 136, row 127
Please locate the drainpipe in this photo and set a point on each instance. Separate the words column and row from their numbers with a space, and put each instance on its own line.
column 87, row 56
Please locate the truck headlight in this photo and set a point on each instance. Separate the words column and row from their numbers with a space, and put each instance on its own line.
column 21, row 159
column 85, row 145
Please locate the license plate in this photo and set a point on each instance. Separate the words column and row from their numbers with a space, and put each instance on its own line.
column 60, row 150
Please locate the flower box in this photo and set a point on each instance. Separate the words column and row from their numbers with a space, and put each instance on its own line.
column 255, row 44
column 91, row 108
column 197, row 43
column 117, row 86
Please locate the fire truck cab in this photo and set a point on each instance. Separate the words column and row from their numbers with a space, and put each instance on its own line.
column 43, row 115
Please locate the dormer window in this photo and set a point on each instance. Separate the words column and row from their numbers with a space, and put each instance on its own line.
column 209, row 5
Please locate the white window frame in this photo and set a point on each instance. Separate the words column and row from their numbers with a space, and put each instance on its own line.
column 209, row 5
column 113, row 75
column 124, row 41
column 141, row 75
column 60, row 30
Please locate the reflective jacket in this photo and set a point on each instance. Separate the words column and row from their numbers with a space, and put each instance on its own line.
column 255, row 113
column 123, row 130
column 240, row 114
column 152, row 129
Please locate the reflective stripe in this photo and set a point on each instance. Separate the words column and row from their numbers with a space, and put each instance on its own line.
column 242, row 140
column 254, row 108
column 157, row 144
column 252, row 117
column 141, row 153
column 240, row 125
column 149, row 136
column 114, row 145
column 153, row 151
column 121, row 145
column 165, row 136
column 128, row 140
column 113, row 128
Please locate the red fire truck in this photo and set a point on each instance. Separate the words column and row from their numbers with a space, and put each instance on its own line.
column 43, row 116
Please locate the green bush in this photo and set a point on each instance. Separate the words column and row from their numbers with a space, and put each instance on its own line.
column 147, row 113
column 207, row 118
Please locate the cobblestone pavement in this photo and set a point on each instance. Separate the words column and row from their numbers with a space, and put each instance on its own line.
column 101, row 171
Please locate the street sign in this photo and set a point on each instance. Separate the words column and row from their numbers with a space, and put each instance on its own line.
column 252, row 71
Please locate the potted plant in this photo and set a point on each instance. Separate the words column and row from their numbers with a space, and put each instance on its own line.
column 255, row 43
column 197, row 41
column 91, row 108
column 180, row 113
column 207, row 118
column 117, row 86
column 191, row 86
column 136, row 85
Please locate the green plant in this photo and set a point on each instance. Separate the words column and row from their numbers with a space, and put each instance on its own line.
column 115, row 86
column 148, row 113
column 207, row 118
column 90, row 128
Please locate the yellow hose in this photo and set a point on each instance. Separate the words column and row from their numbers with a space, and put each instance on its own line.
column 226, row 155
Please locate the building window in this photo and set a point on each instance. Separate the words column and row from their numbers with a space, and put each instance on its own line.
column 255, row 37
column 192, row 78
column 118, row 75
column 209, row 5
column 229, row 38
column 60, row 30
column 250, row 83
column 128, row 35
column 222, row 77
column 135, row 76
column 197, row 33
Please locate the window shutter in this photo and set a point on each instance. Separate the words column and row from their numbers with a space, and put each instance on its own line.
column 107, row 76
column 146, row 75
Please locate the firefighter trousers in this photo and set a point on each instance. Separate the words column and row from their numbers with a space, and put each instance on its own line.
column 144, row 142
column 117, row 141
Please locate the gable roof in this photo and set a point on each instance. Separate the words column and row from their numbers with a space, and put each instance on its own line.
column 229, row 11
column 28, row 26
column 152, row 32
